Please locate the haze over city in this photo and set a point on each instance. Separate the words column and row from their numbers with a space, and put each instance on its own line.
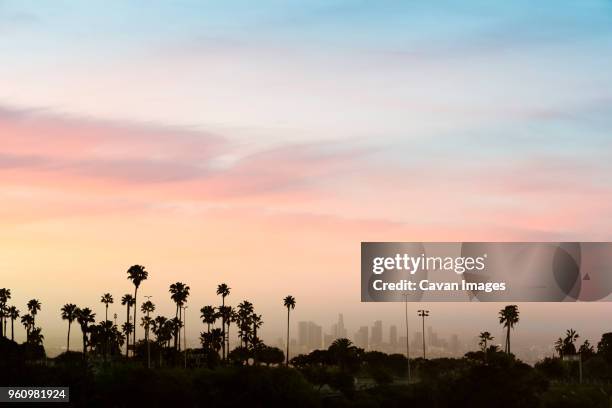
column 213, row 142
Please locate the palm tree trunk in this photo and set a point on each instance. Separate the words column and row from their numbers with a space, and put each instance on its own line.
column 287, row 357
column 68, row 339
column 135, row 310
column 12, row 329
column 127, row 338
column 508, row 339
column 106, row 315
column 176, row 328
column 223, row 325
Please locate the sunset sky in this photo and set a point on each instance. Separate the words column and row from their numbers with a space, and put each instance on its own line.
column 222, row 142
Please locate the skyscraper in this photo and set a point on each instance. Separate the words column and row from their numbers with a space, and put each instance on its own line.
column 361, row 337
column 393, row 337
column 377, row 334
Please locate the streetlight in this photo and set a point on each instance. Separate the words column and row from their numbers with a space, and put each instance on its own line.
column 407, row 338
column 423, row 313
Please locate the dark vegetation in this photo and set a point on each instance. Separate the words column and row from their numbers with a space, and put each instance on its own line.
column 116, row 368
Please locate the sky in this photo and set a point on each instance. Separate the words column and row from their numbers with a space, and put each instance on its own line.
column 259, row 145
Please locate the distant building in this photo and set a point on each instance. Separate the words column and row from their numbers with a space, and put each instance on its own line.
column 393, row 337
column 377, row 334
column 310, row 336
column 361, row 337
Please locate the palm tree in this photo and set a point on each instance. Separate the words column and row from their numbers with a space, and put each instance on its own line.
column 559, row 346
column 289, row 303
column 36, row 336
column 128, row 301
column 107, row 299
column 28, row 322
column 5, row 295
column 34, row 306
column 13, row 314
column 568, row 342
column 147, row 307
column 244, row 318
column 178, row 293
column 484, row 337
column 136, row 274
column 84, row 317
column 69, row 313
column 208, row 316
column 127, row 328
column 223, row 290
column 509, row 317
column 257, row 323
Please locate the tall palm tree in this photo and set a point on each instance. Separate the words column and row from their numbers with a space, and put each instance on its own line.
column 509, row 317
column 5, row 295
column 484, row 337
column 107, row 299
column 84, row 317
column 178, row 293
column 128, row 301
column 289, row 303
column 34, row 306
column 13, row 314
column 136, row 274
column 223, row 290
column 69, row 313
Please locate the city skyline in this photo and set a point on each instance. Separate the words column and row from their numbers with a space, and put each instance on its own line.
column 261, row 147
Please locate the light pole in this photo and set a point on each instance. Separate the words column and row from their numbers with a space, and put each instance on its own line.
column 407, row 338
column 423, row 314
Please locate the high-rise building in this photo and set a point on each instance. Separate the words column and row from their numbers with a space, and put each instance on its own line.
column 310, row 336
column 377, row 334
column 393, row 337
column 361, row 337
column 315, row 336
column 340, row 329
column 302, row 334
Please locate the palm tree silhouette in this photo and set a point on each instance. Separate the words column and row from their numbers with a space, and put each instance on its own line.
column 136, row 274
column 13, row 313
column 208, row 316
column 559, row 346
column 289, row 303
column 568, row 347
column 69, row 313
column 484, row 337
column 223, row 290
column 84, row 317
column 28, row 322
column 244, row 316
column 107, row 299
column 5, row 295
column 178, row 293
column 34, row 306
column 509, row 317
column 36, row 336
column 147, row 307
column 257, row 323
column 128, row 301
